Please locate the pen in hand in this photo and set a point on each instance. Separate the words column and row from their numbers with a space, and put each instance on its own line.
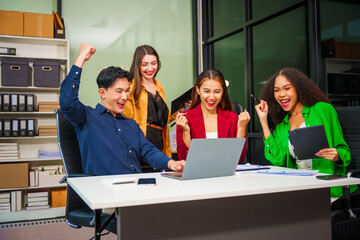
column 257, row 100
column 175, row 121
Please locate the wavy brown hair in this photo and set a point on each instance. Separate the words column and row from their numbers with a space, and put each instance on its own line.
column 135, row 72
column 307, row 91
column 216, row 75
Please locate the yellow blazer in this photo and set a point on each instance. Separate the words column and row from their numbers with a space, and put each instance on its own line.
column 139, row 113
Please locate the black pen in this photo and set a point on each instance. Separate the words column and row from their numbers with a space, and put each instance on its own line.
column 257, row 100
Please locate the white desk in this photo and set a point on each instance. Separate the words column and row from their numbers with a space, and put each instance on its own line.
column 246, row 205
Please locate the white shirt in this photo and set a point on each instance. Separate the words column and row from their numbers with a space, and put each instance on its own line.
column 211, row 135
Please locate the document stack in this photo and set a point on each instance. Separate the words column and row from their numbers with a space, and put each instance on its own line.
column 4, row 202
column 45, row 154
column 37, row 200
column 9, row 151
column 48, row 106
column 47, row 130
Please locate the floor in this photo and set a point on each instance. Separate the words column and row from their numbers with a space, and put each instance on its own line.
column 53, row 229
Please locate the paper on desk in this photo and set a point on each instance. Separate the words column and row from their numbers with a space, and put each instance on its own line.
column 249, row 167
column 291, row 172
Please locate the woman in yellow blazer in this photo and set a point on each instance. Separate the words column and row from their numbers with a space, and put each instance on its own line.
column 147, row 105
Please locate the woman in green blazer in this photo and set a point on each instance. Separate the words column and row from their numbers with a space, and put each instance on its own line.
column 294, row 101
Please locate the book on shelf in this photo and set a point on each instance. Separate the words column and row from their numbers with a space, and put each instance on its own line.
column 32, row 178
column 5, row 195
column 4, row 152
column 18, row 201
column 4, row 200
column 8, row 158
column 37, row 199
column 39, row 203
column 36, row 207
column 7, row 204
column 38, row 194
column 9, row 154
column 13, row 201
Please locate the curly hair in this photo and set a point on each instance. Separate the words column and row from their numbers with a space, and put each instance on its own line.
column 307, row 91
column 213, row 74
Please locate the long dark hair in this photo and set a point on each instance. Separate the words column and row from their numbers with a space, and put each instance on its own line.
column 216, row 75
column 307, row 91
column 135, row 72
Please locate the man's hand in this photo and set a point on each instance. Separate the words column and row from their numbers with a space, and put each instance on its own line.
column 177, row 166
column 85, row 53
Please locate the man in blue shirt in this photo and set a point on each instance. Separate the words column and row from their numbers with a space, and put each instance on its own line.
column 109, row 143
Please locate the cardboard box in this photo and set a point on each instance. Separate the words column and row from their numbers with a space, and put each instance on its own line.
column 38, row 25
column 58, row 197
column 11, row 23
column 14, row 175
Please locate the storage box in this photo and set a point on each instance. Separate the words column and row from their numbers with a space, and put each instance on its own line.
column 337, row 83
column 354, row 84
column 58, row 198
column 38, row 25
column 11, row 23
column 15, row 74
column 46, row 74
column 338, row 49
column 14, row 175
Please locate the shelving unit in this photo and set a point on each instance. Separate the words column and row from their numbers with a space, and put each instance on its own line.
column 342, row 81
column 33, row 50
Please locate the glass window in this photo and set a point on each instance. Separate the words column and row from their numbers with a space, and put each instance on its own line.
column 228, row 15
column 278, row 43
column 229, row 58
column 263, row 8
column 340, row 21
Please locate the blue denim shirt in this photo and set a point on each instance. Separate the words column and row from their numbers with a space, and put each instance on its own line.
column 108, row 144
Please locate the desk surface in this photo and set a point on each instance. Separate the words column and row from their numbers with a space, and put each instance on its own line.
column 98, row 195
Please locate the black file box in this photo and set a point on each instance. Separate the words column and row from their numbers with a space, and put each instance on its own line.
column 1, row 128
column 22, row 129
column 6, row 103
column 337, row 83
column 47, row 74
column 15, row 73
column 15, row 127
column 7, row 127
column 29, row 101
column 14, row 103
column 22, row 103
column 30, row 128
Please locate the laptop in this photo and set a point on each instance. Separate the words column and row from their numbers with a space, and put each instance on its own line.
column 210, row 158
column 306, row 142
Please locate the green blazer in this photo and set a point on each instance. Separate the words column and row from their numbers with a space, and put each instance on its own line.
column 277, row 144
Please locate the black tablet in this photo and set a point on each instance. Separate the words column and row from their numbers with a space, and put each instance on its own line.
column 306, row 142
column 180, row 101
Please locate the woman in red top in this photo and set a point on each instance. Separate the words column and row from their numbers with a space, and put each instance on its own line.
column 210, row 114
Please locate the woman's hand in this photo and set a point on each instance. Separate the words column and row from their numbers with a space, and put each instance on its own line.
column 243, row 120
column 182, row 121
column 330, row 154
column 262, row 110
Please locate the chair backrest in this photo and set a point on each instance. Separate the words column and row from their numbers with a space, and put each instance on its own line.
column 236, row 108
column 68, row 145
column 349, row 118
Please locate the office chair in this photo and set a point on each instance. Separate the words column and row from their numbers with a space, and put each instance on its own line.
column 78, row 214
column 345, row 215
column 236, row 107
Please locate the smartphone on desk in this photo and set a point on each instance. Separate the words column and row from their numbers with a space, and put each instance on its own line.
column 146, row 181
column 329, row 177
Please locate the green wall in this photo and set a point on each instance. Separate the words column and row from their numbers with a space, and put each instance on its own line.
column 116, row 28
